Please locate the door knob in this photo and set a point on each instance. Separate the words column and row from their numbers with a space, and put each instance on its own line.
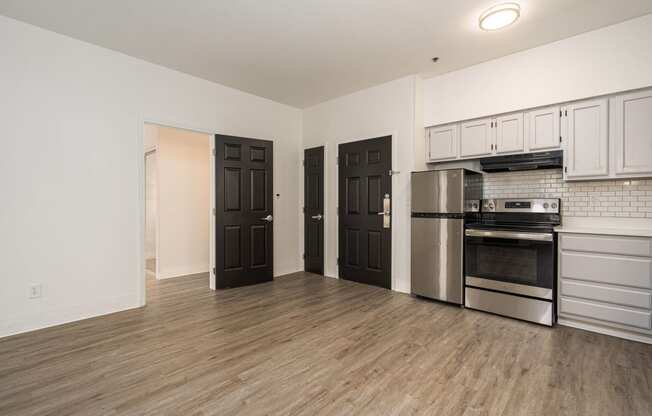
column 317, row 217
column 268, row 218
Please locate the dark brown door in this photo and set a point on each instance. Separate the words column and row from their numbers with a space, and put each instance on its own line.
column 364, row 240
column 243, row 218
column 313, row 211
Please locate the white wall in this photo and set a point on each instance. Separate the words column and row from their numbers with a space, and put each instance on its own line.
column 603, row 61
column 71, row 170
column 387, row 109
column 184, row 168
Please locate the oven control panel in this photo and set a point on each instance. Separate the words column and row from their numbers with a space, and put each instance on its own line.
column 541, row 205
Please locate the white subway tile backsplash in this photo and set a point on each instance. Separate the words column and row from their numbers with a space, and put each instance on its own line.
column 614, row 198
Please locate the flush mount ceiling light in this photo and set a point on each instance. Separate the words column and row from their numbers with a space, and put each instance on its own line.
column 500, row 16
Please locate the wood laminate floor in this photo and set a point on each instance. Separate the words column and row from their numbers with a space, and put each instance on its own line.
column 308, row 345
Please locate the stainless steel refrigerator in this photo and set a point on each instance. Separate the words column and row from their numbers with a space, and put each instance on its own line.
column 441, row 200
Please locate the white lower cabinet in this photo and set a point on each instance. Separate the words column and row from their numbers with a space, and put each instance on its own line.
column 605, row 284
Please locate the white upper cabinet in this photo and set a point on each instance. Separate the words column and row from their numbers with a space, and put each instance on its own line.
column 509, row 134
column 442, row 142
column 476, row 138
column 543, row 129
column 631, row 133
column 601, row 138
column 587, row 155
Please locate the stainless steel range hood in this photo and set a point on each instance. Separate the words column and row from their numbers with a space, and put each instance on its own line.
column 528, row 161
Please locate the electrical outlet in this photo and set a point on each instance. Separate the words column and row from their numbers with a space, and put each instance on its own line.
column 35, row 291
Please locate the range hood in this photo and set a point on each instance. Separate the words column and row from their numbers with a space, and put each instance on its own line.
column 527, row 161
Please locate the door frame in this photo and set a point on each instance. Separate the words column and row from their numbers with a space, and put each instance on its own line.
column 141, row 201
column 152, row 151
column 393, row 135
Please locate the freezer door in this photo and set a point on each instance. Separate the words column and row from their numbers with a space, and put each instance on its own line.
column 437, row 245
column 438, row 191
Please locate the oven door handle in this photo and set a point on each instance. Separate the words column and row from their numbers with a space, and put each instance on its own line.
column 513, row 235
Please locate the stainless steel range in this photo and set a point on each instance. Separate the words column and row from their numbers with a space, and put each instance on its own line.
column 510, row 259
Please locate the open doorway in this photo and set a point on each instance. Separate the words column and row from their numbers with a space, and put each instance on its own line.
column 178, row 209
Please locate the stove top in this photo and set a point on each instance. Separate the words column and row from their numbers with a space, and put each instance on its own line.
column 534, row 215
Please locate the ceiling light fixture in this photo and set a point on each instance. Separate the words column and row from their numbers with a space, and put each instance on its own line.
column 500, row 16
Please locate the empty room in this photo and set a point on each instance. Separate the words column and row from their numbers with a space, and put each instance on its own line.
column 321, row 207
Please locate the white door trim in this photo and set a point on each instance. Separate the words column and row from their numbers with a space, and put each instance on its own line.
column 141, row 201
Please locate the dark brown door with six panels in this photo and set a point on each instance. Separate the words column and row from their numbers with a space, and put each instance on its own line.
column 313, row 210
column 244, row 215
column 365, row 189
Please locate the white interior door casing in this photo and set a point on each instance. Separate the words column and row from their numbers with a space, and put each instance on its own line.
column 544, row 129
column 631, row 133
column 588, row 144
column 509, row 133
column 442, row 142
column 476, row 138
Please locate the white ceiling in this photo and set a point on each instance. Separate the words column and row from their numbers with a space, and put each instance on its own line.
column 302, row 52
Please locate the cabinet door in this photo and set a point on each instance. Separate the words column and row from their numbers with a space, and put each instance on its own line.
column 587, row 139
column 509, row 133
column 476, row 138
column 543, row 129
column 441, row 142
column 631, row 133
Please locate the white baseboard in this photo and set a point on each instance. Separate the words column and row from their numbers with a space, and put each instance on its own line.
column 279, row 273
column 182, row 271
column 53, row 316
column 604, row 330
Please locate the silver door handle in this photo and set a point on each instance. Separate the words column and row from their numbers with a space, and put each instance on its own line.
column 268, row 218
column 383, row 213
column 317, row 217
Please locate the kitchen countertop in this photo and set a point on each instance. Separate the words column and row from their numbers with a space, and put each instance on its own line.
column 630, row 232
column 631, row 227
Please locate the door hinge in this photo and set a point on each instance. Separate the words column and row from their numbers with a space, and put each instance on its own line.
column 565, row 169
column 337, row 160
column 559, row 139
column 214, row 271
column 303, row 162
column 565, row 113
column 338, row 261
column 214, row 153
column 214, row 211
column 560, row 113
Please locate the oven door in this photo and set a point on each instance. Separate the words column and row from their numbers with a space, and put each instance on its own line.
column 515, row 262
